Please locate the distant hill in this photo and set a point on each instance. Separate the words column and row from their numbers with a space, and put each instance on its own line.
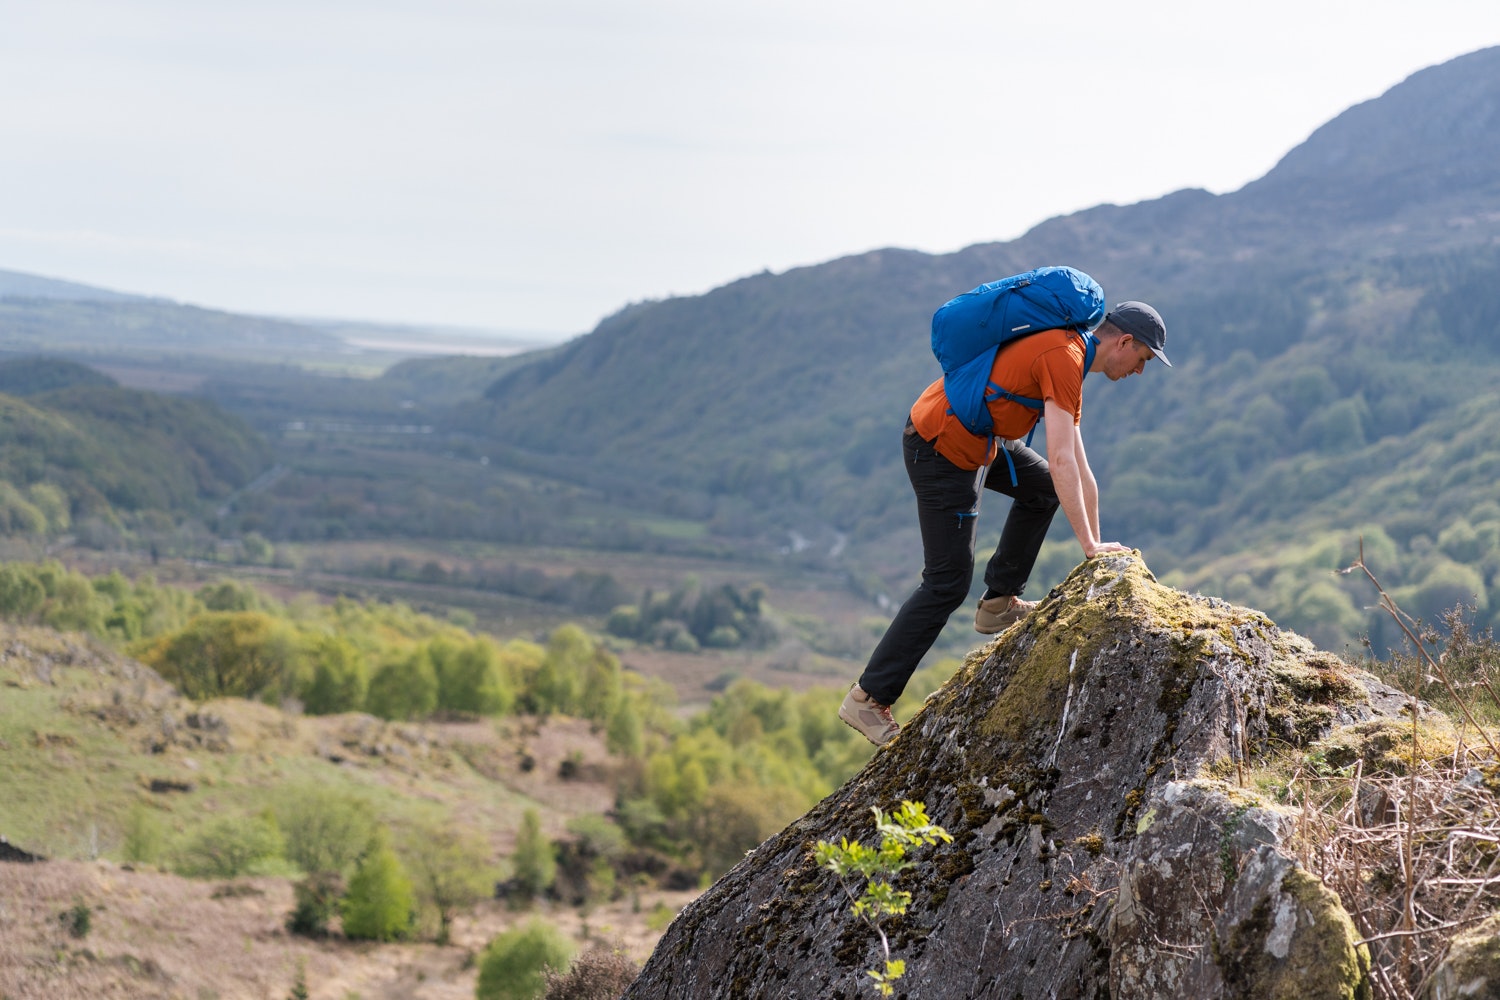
column 45, row 315
column 29, row 376
column 15, row 285
column 87, row 448
column 92, row 327
column 1331, row 324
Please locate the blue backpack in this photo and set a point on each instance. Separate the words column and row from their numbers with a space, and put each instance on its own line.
column 969, row 330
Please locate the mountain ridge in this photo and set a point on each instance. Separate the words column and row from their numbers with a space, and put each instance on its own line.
column 20, row 285
column 1348, row 338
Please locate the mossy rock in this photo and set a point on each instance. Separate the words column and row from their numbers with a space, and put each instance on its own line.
column 1472, row 968
column 1050, row 756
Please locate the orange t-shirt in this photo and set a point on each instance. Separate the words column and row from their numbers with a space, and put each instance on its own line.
column 1046, row 365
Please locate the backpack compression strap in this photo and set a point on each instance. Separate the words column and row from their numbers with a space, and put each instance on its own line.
column 1090, row 345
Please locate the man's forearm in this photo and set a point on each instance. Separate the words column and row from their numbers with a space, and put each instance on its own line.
column 1072, row 497
column 1073, row 481
column 1091, row 499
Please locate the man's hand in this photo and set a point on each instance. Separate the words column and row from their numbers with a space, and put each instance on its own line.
column 1105, row 548
column 1074, row 482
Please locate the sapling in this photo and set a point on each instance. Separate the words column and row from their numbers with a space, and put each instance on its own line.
column 905, row 828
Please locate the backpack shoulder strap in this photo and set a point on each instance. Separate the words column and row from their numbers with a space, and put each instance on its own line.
column 1090, row 347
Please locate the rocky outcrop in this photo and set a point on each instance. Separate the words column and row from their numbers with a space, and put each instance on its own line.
column 1472, row 968
column 1091, row 765
column 11, row 853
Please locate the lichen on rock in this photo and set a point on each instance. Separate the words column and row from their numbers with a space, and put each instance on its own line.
column 1078, row 762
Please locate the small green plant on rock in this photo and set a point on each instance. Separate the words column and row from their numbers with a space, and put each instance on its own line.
column 905, row 828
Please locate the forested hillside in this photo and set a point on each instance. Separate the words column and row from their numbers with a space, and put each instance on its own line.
column 83, row 452
column 1331, row 325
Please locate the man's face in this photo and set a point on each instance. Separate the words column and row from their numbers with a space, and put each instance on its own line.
column 1128, row 358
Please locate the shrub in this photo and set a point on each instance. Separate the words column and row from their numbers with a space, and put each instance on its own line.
column 299, row 985
column 588, row 863
column 534, row 863
column 78, row 919
column 316, row 900
column 660, row 917
column 597, row 836
column 514, row 965
column 597, row 974
column 145, row 834
column 324, row 831
column 232, row 846
column 379, row 905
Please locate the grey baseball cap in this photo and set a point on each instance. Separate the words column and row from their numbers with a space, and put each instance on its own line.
column 1143, row 323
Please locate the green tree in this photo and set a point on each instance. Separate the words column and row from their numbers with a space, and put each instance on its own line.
column 514, row 965
column 53, row 504
column 339, row 677
column 404, row 689
column 560, row 680
column 471, row 678
column 625, row 736
column 222, row 654
column 232, row 595
column 732, row 821
column 534, row 863
column 624, row 621
column 601, row 843
column 21, row 593
column 451, row 869
column 18, row 515
column 1445, row 585
column 603, row 685
column 379, row 905
column 71, row 605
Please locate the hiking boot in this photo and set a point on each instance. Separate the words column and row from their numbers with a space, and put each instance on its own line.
column 870, row 718
column 996, row 614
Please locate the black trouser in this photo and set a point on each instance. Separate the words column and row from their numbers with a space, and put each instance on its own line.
column 947, row 509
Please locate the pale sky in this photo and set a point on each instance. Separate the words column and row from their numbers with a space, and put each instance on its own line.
column 535, row 166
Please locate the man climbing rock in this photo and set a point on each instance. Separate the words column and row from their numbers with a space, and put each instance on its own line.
column 949, row 464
